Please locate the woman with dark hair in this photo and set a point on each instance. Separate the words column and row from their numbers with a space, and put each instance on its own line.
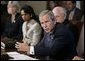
column 29, row 9
column 31, row 28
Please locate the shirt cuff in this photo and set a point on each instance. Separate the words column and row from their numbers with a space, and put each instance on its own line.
column 32, row 50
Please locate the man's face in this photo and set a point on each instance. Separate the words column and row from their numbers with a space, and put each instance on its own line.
column 69, row 5
column 46, row 23
column 25, row 16
column 59, row 17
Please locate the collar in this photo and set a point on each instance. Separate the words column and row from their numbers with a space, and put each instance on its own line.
column 54, row 28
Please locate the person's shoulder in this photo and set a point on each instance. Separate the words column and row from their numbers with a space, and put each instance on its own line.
column 33, row 21
column 24, row 23
column 78, row 10
column 35, row 24
column 60, row 27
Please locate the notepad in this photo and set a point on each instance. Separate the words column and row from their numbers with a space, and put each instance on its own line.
column 18, row 56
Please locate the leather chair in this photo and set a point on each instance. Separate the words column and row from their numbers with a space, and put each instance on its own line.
column 80, row 46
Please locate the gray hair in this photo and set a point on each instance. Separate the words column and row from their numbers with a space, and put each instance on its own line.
column 49, row 13
column 15, row 3
column 61, row 10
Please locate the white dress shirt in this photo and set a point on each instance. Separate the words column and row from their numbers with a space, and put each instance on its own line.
column 71, row 14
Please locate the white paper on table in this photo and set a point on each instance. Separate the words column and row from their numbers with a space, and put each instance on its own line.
column 18, row 56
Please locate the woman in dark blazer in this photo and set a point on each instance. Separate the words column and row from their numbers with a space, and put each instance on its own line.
column 13, row 25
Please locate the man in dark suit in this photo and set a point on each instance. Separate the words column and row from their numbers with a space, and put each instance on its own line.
column 60, row 14
column 73, row 13
column 57, row 43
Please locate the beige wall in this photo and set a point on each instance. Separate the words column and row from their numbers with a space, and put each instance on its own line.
column 38, row 6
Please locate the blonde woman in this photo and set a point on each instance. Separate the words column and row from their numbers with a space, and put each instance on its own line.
column 13, row 26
